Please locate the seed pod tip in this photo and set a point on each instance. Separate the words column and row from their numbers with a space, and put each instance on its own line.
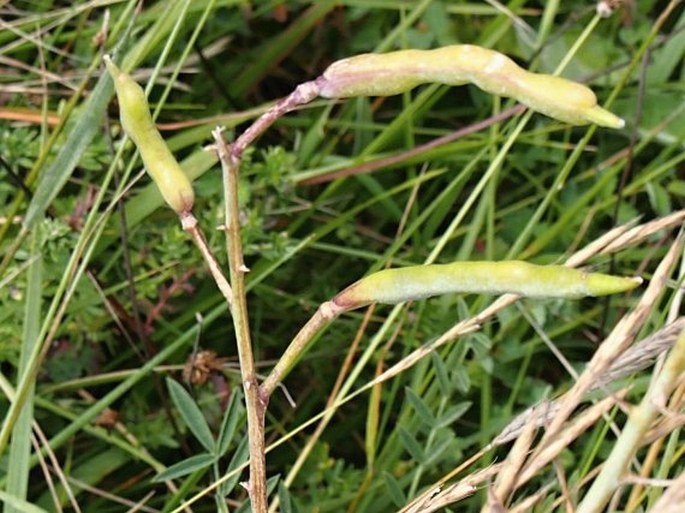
column 604, row 284
column 603, row 117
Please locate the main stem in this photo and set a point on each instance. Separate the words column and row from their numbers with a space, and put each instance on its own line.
column 256, row 407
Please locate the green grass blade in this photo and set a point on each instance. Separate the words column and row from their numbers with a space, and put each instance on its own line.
column 87, row 124
column 20, row 505
column 19, row 466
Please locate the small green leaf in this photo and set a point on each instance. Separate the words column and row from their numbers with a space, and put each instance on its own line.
column 481, row 345
column 239, row 457
column 420, row 407
column 440, row 450
column 665, row 60
column 284, row 499
column 185, row 467
column 676, row 187
column 461, row 379
column 411, row 445
column 454, row 413
column 441, row 374
column 659, row 198
column 231, row 417
column 191, row 415
column 393, row 486
column 272, row 483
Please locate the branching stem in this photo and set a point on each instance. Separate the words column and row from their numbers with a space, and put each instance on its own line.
column 324, row 315
column 189, row 223
column 254, row 403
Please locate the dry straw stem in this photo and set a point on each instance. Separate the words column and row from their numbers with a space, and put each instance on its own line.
column 581, row 423
column 666, row 424
column 673, row 500
column 437, row 497
column 527, row 504
column 631, row 436
column 643, row 231
column 615, row 344
column 594, row 248
column 636, row 358
column 436, row 487
column 506, row 479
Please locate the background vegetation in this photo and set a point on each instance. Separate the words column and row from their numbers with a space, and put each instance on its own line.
column 103, row 295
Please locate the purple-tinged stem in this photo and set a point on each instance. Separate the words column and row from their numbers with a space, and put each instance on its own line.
column 303, row 94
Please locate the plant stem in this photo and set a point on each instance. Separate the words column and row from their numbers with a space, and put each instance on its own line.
column 324, row 315
column 303, row 93
column 189, row 223
column 256, row 406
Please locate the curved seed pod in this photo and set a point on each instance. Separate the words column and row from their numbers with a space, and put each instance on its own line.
column 422, row 281
column 134, row 113
column 395, row 72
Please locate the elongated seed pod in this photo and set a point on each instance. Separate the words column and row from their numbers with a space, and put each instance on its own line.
column 134, row 113
column 395, row 72
column 422, row 281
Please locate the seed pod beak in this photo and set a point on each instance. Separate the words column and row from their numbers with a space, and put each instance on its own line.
column 604, row 284
column 603, row 117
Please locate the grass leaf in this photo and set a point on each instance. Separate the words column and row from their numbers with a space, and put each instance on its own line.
column 411, row 444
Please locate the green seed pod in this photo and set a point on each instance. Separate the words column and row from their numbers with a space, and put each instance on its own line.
column 134, row 113
column 422, row 281
column 395, row 72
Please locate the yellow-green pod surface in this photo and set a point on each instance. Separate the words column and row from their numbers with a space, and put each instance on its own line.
column 422, row 281
column 395, row 72
column 134, row 113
